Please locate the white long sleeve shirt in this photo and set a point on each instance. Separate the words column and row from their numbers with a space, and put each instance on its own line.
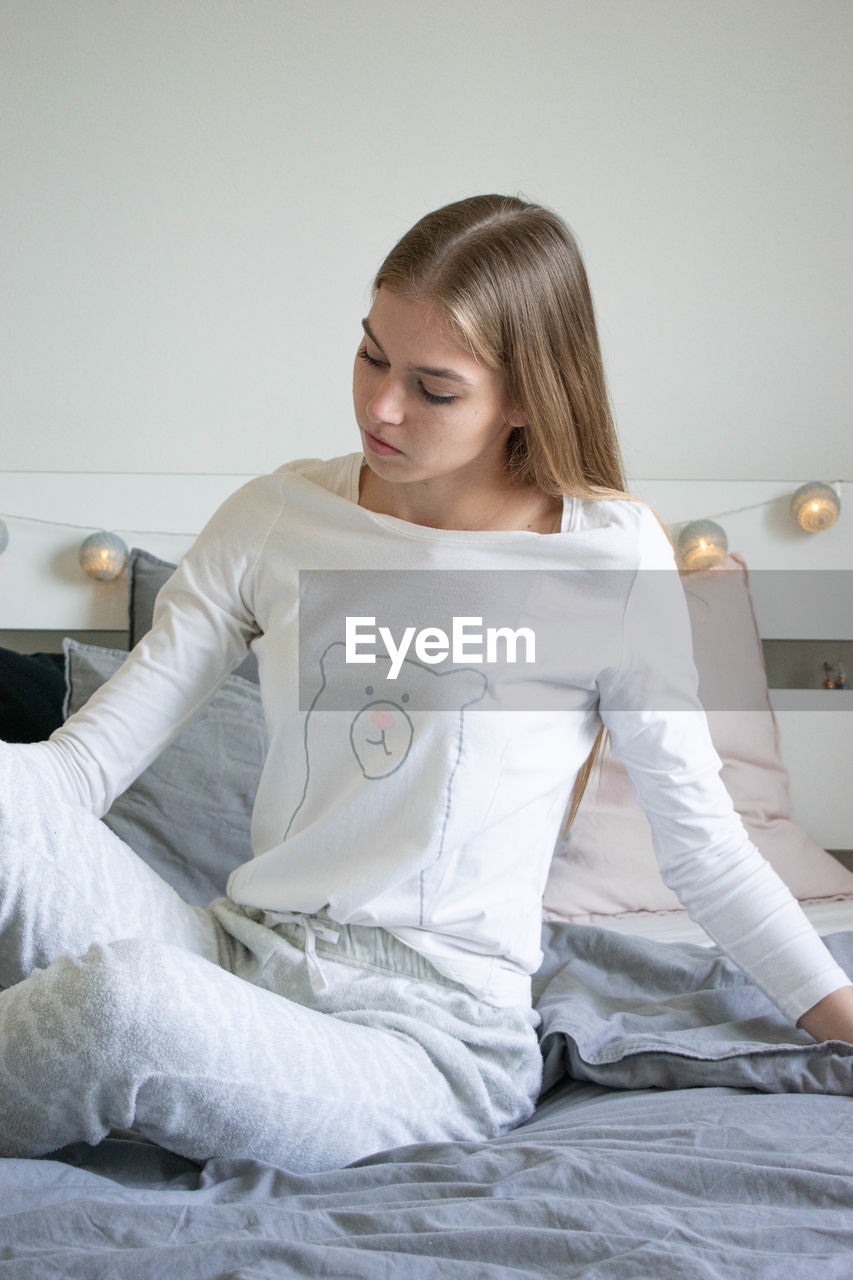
column 424, row 794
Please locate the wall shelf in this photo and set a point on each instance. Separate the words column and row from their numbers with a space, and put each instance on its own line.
column 798, row 664
column 828, row 700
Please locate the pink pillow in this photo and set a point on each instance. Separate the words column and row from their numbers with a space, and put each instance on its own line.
column 607, row 865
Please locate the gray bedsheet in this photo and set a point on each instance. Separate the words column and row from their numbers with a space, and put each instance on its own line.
column 724, row 1178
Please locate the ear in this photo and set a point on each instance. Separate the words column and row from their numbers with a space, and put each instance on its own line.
column 516, row 418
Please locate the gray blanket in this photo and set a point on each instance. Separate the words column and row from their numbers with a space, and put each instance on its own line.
column 633, row 1014
column 603, row 1183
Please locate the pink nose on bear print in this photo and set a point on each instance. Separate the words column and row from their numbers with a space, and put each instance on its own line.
column 382, row 719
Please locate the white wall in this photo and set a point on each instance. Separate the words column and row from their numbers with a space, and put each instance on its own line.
column 198, row 191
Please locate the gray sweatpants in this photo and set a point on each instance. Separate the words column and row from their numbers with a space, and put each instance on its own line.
column 126, row 1007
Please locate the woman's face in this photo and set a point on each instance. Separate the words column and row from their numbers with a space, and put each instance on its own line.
column 425, row 406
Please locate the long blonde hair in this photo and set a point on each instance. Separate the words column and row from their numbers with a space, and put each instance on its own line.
column 511, row 281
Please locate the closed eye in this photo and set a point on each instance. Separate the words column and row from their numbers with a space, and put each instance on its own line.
column 377, row 364
column 427, row 395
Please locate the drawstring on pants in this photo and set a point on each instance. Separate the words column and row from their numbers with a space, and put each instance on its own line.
column 313, row 930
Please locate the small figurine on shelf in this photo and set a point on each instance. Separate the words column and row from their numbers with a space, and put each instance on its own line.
column 834, row 676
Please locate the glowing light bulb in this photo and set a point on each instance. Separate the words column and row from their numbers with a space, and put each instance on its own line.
column 815, row 506
column 701, row 544
column 103, row 555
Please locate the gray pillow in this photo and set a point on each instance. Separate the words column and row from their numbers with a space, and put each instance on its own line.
column 147, row 575
column 188, row 815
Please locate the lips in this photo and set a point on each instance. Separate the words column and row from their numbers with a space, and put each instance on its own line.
column 379, row 446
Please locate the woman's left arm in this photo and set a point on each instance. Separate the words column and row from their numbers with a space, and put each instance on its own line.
column 649, row 702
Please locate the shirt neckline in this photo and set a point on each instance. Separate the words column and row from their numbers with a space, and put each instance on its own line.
column 428, row 534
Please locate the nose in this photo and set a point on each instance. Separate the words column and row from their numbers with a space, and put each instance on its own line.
column 386, row 403
column 382, row 719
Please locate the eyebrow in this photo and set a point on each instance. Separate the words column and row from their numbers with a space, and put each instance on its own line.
column 419, row 368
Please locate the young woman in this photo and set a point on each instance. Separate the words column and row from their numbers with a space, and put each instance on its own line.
column 365, row 983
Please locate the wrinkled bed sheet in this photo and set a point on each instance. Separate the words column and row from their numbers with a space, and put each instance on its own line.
column 670, row 1154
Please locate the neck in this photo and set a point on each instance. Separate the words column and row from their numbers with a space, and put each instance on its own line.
column 465, row 506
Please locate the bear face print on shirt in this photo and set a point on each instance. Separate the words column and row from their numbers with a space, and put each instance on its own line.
column 382, row 747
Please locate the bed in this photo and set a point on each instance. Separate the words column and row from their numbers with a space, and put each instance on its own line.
column 684, row 1129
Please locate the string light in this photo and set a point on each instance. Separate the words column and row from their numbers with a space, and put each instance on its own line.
column 103, row 555
column 63, row 524
column 701, row 544
column 815, row 506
